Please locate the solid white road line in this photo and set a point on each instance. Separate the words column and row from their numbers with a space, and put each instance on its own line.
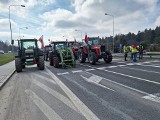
column 62, row 98
column 101, row 68
column 85, row 111
column 47, row 110
column 133, row 77
column 151, row 65
column 141, row 70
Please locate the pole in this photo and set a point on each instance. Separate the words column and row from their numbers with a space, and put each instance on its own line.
column 113, row 34
column 19, row 34
column 10, row 28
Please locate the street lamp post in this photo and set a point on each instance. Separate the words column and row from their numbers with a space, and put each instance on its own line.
column 19, row 31
column 113, row 29
column 12, row 42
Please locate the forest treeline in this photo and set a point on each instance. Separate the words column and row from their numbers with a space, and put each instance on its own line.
column 150, row 38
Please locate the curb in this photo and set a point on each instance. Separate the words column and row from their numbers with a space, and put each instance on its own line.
column 6, row 79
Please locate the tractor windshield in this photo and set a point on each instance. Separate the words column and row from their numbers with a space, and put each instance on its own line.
column 61, row 46
column 29, row 44
column 95, row 42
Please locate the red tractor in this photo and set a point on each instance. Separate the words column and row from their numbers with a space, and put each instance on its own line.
column 75, row 46
column 94, row 51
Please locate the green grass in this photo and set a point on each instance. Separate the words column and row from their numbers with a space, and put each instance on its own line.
column 5, row 58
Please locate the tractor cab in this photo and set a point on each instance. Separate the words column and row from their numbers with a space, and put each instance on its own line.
column 61, row 55
column 75, row 46
column 28, row 54
column 94, row 51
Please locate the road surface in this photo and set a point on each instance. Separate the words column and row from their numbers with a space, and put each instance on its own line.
column 117, row 91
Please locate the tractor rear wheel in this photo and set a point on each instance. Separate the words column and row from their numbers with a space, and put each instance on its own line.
column 18, row 64
column 56, row 62
column 23, row 66
column 81, row 57
column 41, row 63
column 92, row 58
column 108, row 57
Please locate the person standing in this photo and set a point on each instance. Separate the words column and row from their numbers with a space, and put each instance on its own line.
column 141, row 48
column 134, row 51
column 125, row 50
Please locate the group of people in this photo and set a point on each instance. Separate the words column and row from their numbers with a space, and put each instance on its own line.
column 134, row 50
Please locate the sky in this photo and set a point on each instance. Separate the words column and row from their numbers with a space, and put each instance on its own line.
column 68, row 19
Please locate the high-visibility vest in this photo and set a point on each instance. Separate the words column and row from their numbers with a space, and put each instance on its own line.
column 134, row 50
column 141, row 48
column 125, row 49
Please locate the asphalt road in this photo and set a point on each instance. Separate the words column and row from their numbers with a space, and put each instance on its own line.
column 117, row 91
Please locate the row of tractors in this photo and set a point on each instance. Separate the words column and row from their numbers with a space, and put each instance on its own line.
column 64, row 54
column 60, row 53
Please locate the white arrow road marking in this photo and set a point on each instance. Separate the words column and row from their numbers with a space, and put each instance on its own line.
column 133, row 77
column 76, row 71
column 95, row 80
column 85, row 111
column 45, row 78
column 153, row 97
column 65, row 73
column 123, row 85
column 56, row 94
column 47, row 110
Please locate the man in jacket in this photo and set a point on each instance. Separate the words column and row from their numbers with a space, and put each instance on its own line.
column 134, row 51
column 141, row 51
column 125, row 50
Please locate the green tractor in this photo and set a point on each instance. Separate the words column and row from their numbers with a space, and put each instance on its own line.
column 61, row 55
column 28, row 54
column 94, row 51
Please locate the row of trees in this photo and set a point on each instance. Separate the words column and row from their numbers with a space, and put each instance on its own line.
column 149, row 38
column 5, row 46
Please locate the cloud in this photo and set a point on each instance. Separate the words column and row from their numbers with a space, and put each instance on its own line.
column 54, row 19
column 157, row 22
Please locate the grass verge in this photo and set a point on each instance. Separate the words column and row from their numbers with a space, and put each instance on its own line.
column 5, row 58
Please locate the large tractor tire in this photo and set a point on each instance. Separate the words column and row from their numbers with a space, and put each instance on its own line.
column 18, row 64
column 51, row 59
column 81, row 57
column 108, row 57
column 56, row 62
column 23, row 66
column 41, row 63
column 92, row 58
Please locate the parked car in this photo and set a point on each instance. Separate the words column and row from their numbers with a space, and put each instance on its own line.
column 1, row 52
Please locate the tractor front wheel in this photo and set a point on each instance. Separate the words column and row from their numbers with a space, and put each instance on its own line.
column 92, row 58
column 108, row 57
column 81, row 57
column 41, row 63
column 56, row 62
column 18, row 64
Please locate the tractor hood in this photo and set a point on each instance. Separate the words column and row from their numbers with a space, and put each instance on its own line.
column 96, row 47
column 29, row 51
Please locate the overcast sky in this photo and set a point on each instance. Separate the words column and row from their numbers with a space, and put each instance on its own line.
column 58, row 19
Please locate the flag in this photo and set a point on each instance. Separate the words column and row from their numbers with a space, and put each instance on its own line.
column 86, row 39
column 41, row 40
